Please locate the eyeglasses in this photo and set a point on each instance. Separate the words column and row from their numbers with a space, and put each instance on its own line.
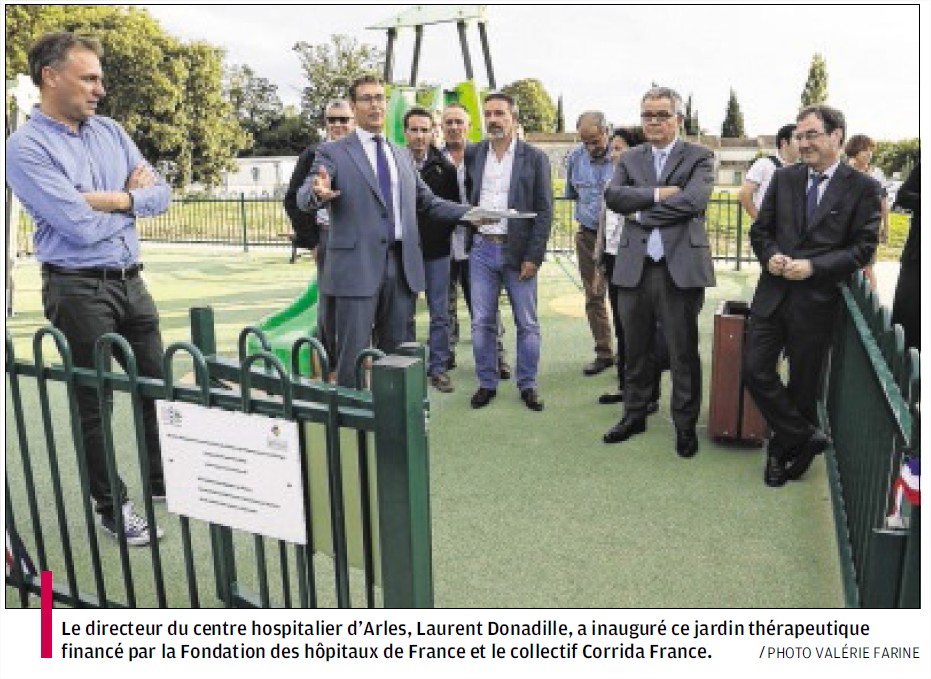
column 371, row 98
column 810, row 135
column 658, row 116
column 342, row 120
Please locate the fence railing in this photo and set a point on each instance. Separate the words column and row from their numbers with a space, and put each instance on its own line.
column 248, row 222
column 363, row 461
column 871, row 407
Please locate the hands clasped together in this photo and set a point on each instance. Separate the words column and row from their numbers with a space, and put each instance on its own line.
column 785, row 266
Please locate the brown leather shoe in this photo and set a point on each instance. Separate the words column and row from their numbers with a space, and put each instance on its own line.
column 442, row 383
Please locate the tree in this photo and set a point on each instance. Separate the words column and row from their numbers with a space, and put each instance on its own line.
column 536, row 110
column 147, row 73
column 733, row 125
column 287, row 137
column 560, row 116
column 816, row 87
column 330, row 69
column 897, row 156
column 692, row 128
column 213, row 134
column 255, row 101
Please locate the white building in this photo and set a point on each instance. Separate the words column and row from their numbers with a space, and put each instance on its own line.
column 258, row 177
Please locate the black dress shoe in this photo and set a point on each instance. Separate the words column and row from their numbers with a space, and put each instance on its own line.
column 611, row 397
column 800, row 459
column 774, row 475
column 623, row 430
column 686, row 442
column 504, row 370
column 652, row 407
column 482, row 397
column 532, row 399
column 597, row 366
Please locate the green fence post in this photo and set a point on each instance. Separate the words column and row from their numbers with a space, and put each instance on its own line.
column 245, row 226
column 403, row 482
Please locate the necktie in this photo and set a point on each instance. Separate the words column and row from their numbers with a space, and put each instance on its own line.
column 811, row 198
column 384, row 184
column 659, row 159
column 655, row 242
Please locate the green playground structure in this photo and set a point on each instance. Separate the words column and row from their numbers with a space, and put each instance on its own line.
column 299, row 319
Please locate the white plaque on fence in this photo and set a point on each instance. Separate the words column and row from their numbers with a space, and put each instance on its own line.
column 233, row 469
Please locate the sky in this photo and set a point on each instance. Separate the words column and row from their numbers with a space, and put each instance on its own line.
column 605, row 57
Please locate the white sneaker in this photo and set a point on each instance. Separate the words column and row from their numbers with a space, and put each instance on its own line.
column 136, row 527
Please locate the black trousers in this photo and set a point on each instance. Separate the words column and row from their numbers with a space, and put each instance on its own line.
column 83, row 309
column 659, row 352
column 791, row 410
column 657, row 299
column 906, row 306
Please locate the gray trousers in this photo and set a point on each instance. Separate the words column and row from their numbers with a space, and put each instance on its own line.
column 381, row 320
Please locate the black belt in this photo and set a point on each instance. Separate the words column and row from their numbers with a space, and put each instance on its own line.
column 499, row 238
column 395, row 247
column 103, row 273
column 649, row 261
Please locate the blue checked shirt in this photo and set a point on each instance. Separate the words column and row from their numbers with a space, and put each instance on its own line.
column 586, row 180
column 49, row 166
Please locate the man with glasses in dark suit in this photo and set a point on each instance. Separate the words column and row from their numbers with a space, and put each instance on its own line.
column 818, row 224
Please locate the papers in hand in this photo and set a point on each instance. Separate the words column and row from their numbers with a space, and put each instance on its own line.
column 481, row 214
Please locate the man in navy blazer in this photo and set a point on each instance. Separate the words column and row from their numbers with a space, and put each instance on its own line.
column 819, row 223
column 374, row 259
column 507, row 173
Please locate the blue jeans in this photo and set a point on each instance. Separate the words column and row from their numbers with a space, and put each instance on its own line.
column 487, row 273
column 436, row 272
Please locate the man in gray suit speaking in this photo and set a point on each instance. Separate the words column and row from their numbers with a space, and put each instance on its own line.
column 663, row 263
column 374, row 261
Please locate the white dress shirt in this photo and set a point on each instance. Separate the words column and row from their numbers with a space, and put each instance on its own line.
column 496, row 183
column 370, row 147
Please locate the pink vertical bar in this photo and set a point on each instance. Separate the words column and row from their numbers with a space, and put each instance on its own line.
column 46, row 585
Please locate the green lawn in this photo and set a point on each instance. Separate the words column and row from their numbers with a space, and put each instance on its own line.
column 529, row 509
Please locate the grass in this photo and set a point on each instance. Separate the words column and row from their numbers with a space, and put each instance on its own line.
column 529, row 509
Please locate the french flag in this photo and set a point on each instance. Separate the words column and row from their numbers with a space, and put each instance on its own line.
column 905, row 491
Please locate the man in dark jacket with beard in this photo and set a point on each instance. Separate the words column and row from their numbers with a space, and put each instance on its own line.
column 440, row 175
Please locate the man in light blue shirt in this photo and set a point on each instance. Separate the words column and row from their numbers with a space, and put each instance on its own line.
column 83, row 181
column 588, row 171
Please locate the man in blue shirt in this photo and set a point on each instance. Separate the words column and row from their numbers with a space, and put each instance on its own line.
column 83, row 181
column 588, row 171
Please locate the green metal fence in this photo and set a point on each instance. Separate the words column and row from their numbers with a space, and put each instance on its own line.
column 247, row 222
column 363, row 461
column 725, row 221
column 871, row 408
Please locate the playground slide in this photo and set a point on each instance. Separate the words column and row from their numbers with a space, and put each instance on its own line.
column 284, row 327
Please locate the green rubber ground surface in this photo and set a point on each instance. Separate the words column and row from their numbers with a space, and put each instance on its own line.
column 532, row 509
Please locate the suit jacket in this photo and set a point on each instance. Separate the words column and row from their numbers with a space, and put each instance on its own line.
column 303, row 223
column 357, row 247
column 680, row 218
column 840, row 240
column 909, row 198
column 531, row 190
column 440, row 175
